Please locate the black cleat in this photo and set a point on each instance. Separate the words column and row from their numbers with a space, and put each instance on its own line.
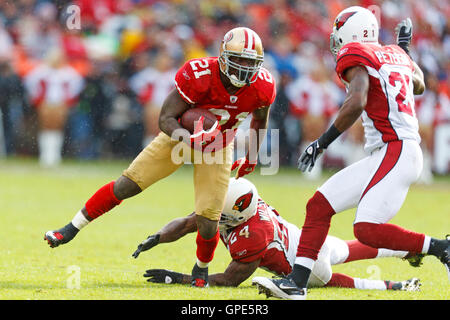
column 283, row 288
column 415, row 260
column 61, row 236
column 407, row 285
column 199, row 277
column 445, row 257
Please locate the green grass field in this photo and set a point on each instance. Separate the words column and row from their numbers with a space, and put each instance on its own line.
column 34, row 200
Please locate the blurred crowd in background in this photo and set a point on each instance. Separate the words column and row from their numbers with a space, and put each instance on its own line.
column 93, row 87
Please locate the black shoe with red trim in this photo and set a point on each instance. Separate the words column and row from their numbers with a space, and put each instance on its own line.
column 199, row 277
column 61, row 236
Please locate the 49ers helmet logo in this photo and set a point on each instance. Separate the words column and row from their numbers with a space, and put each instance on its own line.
column 228, row 37
column 243, row 202
column 342, row 19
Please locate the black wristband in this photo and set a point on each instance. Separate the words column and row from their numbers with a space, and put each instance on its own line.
column 177, row 277
column 328, row 137
column 156, row 236
column 404, row 46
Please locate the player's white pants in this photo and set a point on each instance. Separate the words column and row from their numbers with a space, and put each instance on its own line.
column 333, row 251
column 378, row 184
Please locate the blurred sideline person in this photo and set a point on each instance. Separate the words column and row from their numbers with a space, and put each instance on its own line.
column 381, row 82
column 152, row 85
column 53, row 87
column 313, row 100
column 427, row 109
column 442, row 131
column 12, row 101
column 231, row 86
column 256, row 236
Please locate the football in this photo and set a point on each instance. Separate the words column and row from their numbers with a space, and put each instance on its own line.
column 189, row 118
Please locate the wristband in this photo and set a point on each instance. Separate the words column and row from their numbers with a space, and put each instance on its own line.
column 328, row 137
column 176, row 277
column 404, row 46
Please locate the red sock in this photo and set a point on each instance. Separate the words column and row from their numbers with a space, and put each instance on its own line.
column 341, row 280
column 102, row 201
column 315, row 228
column 388, row 236
column 206, row 248
column 359, row 251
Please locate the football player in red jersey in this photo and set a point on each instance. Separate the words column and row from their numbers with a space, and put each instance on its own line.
column 231, row 86
column 381, row 82
column 256, row 236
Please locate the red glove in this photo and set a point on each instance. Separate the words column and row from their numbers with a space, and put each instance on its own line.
column 200, row 139
column 244, row 167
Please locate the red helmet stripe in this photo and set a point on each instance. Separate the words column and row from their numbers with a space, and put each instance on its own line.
column 246, row 39
column 253, row 41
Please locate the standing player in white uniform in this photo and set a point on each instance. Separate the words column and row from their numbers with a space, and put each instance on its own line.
column 256, row 236
column 381, row 82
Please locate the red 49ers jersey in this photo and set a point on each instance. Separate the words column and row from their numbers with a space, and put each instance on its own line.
column 198, row 82
column 389, row 114
column 264, row 236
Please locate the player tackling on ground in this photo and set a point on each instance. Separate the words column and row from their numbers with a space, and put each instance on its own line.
column 256, row 236
column 381, row 82
column 231, row 86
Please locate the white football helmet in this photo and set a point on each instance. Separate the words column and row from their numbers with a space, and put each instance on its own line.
column 241, row 203
column 241, row 43
column 354, row 24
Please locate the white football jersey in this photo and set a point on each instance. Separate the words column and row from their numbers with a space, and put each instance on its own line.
column 313, row 97
column 152, row 85
column 54, row 85
column 389, row 114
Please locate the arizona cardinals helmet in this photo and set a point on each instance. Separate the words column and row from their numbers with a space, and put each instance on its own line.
column 354, row 24
column 241, row 43
column 241, row 203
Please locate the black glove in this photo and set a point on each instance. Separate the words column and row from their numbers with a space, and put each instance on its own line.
column 309, row 156
column 315, row 149
column 404, row 32
column 149, row 243
column 163, row 276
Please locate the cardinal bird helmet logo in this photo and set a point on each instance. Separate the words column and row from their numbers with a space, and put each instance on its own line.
column 342, row 19
column 243, row 202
